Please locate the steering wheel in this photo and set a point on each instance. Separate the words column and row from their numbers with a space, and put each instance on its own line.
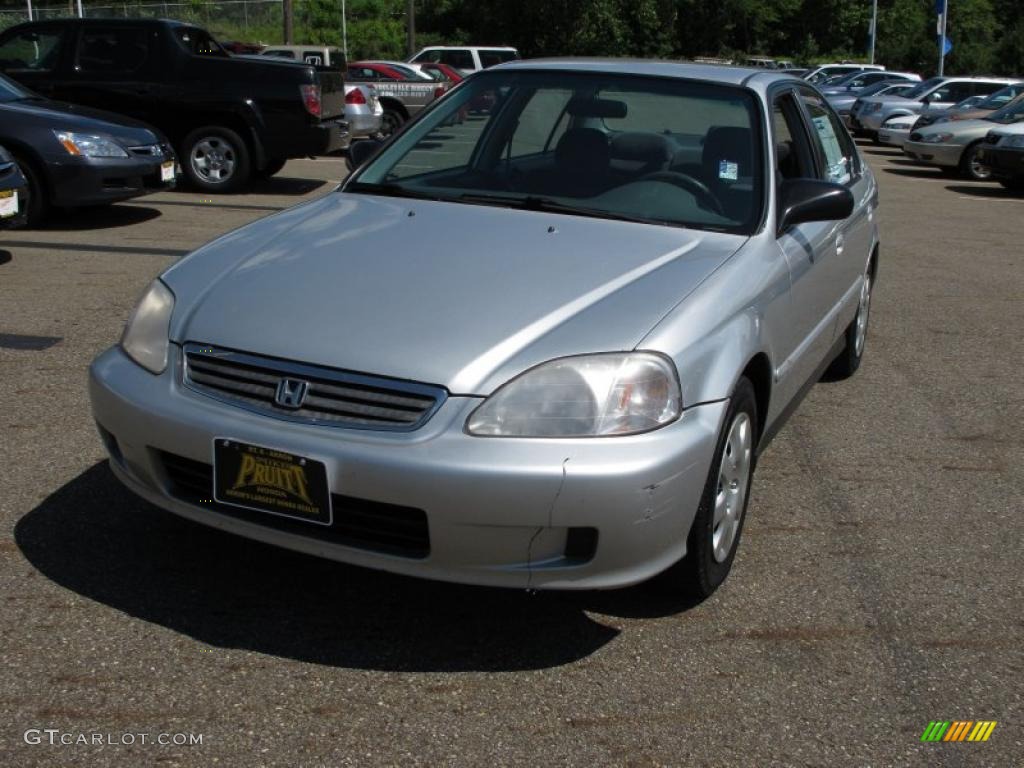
column 694, row 186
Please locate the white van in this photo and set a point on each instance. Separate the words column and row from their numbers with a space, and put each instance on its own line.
column 466, row 58
column 317, row 55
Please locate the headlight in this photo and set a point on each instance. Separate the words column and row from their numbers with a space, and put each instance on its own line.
column 145, row 335
column 1012, row 141
column 619, row 393
column 936, row 138
column 85, row 145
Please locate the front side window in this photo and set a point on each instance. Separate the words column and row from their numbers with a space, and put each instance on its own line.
column 661, row 151
column 31, row 51
column 832, row 138
column 121, row 50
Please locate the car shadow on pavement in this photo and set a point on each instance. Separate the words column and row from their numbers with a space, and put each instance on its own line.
column 990, row 189
column 98, row 217
column 5, row 257
column 916, row 173
column 96, row 538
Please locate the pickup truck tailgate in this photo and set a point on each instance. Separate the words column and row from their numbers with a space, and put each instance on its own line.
column 332, row 92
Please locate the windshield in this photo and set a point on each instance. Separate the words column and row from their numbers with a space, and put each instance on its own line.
column 655, row 150
column 1002, row 97
column 883, row 87
column 11, row 91
column 922, row 88
column 1011, row 113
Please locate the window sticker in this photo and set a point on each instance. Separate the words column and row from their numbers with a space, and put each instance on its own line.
column 728, row 171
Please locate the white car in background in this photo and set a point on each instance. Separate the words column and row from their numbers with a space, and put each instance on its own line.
column 466, row 58
column 895, row 131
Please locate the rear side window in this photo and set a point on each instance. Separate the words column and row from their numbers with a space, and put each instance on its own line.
column 198, row 42
column 833, row 139
column 113, row 49
column 986, row 89
column 316, row 58
column 31, row 51
column 280, row 54
column 489, row 58
column 460, row 58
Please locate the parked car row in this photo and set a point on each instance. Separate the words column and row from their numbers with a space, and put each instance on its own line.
column 100, row 110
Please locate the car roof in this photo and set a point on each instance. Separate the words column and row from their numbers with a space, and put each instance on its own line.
column 711, row 73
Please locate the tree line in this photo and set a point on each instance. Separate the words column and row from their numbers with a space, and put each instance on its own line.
column 987, row 35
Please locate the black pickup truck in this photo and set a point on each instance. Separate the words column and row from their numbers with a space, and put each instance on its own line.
column 229, row 119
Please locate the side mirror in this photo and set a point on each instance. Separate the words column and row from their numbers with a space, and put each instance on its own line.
column 803, row 200
column 361, row 151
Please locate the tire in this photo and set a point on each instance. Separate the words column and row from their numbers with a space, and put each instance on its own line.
column 709, row 557
column 971, row 166
column 215, row 159
column 390, row 122
column 848, row 361
column 273, row 167
column 37, row 204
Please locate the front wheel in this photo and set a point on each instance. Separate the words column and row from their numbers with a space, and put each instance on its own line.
column 36, row 203
column 215, row 159
column 971, row 166
column 715, row 534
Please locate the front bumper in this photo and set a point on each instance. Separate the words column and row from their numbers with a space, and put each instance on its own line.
column 945, row 155
column 894, row 137
column 1005, row 162
column 76, row 181
column 498, row 511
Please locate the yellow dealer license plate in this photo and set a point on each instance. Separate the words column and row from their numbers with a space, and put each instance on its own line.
column 8, row 203
column 269, row 480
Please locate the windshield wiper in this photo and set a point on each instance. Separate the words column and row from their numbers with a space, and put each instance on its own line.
column 550, row 205
column 390, row 189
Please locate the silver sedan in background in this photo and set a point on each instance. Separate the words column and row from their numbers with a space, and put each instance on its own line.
column 543, row 349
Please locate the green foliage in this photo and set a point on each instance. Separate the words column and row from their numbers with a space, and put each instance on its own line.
column 987, row 35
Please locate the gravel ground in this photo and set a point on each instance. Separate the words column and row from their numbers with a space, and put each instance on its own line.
column 878, row 586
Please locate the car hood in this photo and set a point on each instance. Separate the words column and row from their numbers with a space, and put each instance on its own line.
column 961, row 129
column 463, row 296
column 56, row 115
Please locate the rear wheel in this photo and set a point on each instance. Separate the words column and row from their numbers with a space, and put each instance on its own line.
column 215, row 159
column 37, row 203
column 715, row 534
column 971, row 166
column 390, row 122
column 848, row 361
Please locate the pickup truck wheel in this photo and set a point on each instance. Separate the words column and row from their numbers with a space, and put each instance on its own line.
column 714, row 536
column 215, row 159
column 273, row 167
column 36, row 204
column 390, row 122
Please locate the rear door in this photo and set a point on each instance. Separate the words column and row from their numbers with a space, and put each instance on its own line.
column 115, row 67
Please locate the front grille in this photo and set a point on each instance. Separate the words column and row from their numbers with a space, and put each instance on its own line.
column 333, row 398
column 150, row 150
column 370, row 525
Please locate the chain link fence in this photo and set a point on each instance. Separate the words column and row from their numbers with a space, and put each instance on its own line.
column 249, row 20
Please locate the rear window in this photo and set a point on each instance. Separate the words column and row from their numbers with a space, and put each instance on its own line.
column 198, row 42
column 459, row 58
column 280, row 54
column 489, row 58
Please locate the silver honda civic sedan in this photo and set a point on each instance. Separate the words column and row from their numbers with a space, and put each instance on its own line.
column 541, row 348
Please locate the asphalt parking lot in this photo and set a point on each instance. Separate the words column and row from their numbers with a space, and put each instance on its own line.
column 878, row 586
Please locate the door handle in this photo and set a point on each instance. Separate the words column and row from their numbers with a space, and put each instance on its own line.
column 840, row 244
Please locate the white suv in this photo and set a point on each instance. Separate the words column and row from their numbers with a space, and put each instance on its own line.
column 466, row 58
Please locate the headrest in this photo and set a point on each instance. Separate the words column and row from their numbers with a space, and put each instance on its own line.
column 582, row 149
column 580, row 106
column 645, row 147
